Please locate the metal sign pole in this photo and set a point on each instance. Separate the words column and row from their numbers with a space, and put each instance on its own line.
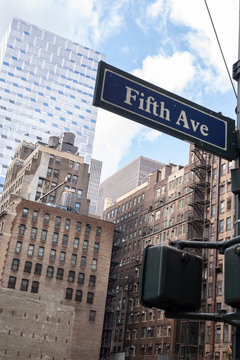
column 236, row 330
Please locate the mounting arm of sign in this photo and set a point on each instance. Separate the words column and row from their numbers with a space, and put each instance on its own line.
column 219, row 245
column 147, row 104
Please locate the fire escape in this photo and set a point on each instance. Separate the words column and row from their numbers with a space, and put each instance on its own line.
column 110, row 308
column 191, row 333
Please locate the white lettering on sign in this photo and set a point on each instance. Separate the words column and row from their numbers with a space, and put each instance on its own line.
column 151, row 106
column 194, row 124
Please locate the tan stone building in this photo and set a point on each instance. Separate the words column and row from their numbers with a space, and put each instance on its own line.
column 54, row 258
column 38, row 169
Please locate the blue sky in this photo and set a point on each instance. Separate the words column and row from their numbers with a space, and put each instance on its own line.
column 167, row 42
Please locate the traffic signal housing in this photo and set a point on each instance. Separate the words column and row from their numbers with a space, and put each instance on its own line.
column 170, row 279
column 232, row 279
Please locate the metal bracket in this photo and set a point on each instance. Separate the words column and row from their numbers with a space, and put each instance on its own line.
column 219, row 245
column 229, row 318
column 236, row 70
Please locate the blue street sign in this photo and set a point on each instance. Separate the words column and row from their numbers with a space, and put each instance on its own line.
column 140, row 101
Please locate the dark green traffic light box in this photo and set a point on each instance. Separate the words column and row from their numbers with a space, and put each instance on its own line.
column 170, row 279
column 232, row 276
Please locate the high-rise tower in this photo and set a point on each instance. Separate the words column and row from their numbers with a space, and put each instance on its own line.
column 46, row 88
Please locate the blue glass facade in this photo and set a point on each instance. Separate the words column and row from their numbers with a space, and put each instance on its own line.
column 46, row 88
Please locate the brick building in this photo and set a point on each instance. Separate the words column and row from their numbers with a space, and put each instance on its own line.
column 54, row 260
column 189, row 203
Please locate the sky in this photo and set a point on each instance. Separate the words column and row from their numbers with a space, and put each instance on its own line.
column 170, row 43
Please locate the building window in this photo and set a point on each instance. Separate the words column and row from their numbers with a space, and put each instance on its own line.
column 98, row 231
column 28, row 267
column 79, row 193
column 65, row 240
column 58, row 221
column 25, row 213
column 24, row 285
column 71, row 276
column 74, row 179
column 87, row 229
column 62, row 256
column 18, row 247
column 92, row 280
column 38, row 269
column 77, row 206
column 34, row 233
column 56, row 173
column 85, row 245
column 92, row 315
column 218, row 334
column 21, row 229
column 221, row 226
column 58, row 160
column 94, row 264
column 76, row 243
column 225, row 333
column 52, row 254
column 38, row 195
column 46, row 219
column 60, row 273
column 35, row 287
column 69, row 293
column 78, row 296
column 81, row 277
column 44, row 235
column 90, row 297
column 96, row 248
column 222, row 207
column 55, row 238
column 228, row 224
column 83, row 261
column 15, row 264
column 219, row 287
column 74, row 259
column 78, row 226
column 229, row 204
column 209, row 290
column 12, row 282
column 49, row 172
column 71, row 164
column 34, row 215
column 67, row 224
column 31, row 249
column 40, row 251
column 50, row 270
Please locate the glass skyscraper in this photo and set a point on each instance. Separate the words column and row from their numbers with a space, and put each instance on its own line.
column 46, row 88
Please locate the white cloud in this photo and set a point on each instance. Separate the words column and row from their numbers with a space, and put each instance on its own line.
column 153, row 10
column 172, row 73
column 201, row 36
column 151, row 135
column 85, row 21
column 113, row 139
